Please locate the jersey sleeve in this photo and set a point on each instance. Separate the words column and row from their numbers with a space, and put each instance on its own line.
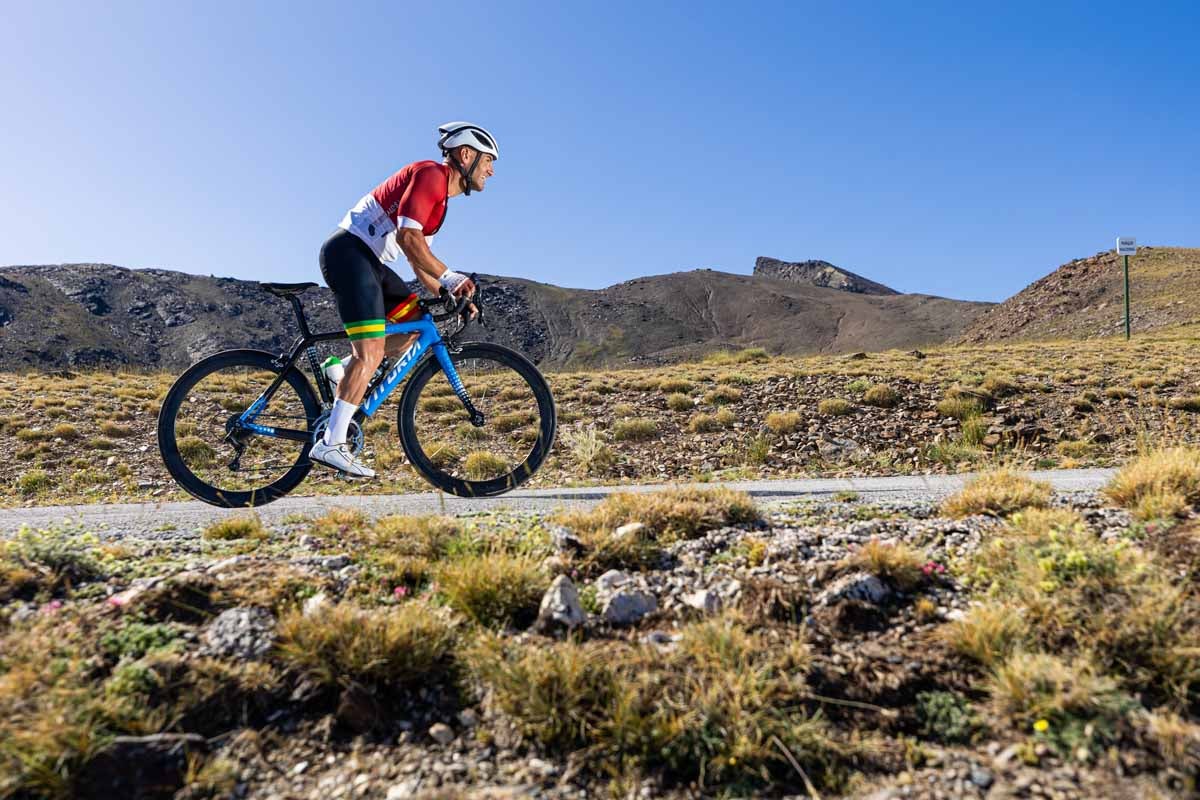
column 424, row 196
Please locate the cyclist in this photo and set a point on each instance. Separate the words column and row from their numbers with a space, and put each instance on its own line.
column 401, row 215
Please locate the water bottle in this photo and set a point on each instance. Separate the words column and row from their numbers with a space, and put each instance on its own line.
column 333, row 370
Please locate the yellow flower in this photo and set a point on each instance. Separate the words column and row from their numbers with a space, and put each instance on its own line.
column 1041, row 726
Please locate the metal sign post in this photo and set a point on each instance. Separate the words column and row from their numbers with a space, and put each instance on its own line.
column 1126, row 246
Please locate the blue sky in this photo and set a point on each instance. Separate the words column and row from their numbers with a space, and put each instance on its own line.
column 955, row 148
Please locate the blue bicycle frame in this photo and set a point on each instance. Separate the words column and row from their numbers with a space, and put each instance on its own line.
column 428, row 337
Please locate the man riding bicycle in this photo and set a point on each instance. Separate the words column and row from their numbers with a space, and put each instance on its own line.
column 401, row 215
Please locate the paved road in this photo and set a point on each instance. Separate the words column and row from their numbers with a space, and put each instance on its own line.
column 147, row 516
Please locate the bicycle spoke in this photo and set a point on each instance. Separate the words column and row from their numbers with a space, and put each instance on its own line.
column 460, row 450
column 204, row 421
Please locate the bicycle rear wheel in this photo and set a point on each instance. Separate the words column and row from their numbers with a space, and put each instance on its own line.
column 478, row 461
column 210, row 455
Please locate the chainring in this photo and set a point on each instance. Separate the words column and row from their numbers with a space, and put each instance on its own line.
column 354, row 434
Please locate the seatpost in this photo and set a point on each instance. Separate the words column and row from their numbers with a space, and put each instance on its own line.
column 303, row 323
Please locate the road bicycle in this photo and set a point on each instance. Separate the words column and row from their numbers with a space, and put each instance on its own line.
column 236, row 427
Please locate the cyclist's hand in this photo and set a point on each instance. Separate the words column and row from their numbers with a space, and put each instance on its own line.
column 467, row 289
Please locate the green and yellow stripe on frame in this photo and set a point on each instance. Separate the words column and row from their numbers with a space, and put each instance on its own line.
column 366, row 329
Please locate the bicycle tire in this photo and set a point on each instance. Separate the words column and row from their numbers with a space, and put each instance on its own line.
column 169, row 447
column 478, row 488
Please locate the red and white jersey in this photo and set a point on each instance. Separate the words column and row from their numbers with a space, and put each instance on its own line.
column 415, row 197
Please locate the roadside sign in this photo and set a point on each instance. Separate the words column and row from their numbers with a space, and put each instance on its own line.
column 1126, row 246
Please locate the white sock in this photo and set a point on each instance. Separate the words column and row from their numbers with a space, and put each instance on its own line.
column 339, row 422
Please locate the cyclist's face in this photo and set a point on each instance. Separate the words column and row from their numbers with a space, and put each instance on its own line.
column 482, row 172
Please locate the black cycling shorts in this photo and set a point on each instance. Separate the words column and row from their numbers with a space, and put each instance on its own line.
column 363, row 287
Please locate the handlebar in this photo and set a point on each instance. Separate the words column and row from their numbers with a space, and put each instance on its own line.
column 457, row 306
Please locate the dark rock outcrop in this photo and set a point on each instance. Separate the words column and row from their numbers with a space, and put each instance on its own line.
column 819, row 273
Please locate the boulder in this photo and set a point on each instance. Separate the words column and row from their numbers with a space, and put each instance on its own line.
column 560, row 606
column 626, row 607
column 858, row 586
column 241, row 633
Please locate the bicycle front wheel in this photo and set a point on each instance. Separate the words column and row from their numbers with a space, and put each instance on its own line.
column 214, row 458
column 478, row 461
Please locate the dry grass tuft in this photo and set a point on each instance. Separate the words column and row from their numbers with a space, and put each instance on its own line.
column 246, row 527
column 834, row 407
column 783, row 422
column 988, row 634
column 494, row 589
column 410, row 645
column 590, row 453
column 899, row 564
column 635, row 430
column 960, row 408
column 722, row 395
column 1028, row 687
column 722, row 706
column 674, row 385
column 678, row 401
column 997, row 493
column 673, row 514
column 482, row 465
column 1159, row 482
column 881, row 396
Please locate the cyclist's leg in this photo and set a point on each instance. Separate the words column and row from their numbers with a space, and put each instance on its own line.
column 351, row 271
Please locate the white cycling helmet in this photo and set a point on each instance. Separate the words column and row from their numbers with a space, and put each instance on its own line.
column 457, row 134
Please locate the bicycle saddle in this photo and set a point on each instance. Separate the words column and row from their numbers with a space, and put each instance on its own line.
column 286, row 289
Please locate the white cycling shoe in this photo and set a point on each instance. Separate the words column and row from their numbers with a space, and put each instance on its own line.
column 338, row 456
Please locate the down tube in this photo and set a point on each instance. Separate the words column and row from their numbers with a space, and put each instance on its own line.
column 428, row 337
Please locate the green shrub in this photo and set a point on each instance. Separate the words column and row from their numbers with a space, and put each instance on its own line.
column 68, row 554
column 135, row 639
column 33, row 482
column 945, row 716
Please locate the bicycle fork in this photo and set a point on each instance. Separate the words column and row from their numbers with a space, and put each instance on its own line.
column 442, row 354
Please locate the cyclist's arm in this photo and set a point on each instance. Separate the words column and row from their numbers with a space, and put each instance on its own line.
column 427, row 267
column 416, row 250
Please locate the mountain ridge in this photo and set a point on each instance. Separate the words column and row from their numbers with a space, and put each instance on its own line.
column 93, row 315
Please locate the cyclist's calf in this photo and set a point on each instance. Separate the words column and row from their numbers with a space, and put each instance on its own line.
column 367, row 355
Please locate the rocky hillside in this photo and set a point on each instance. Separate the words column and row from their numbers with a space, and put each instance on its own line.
column 818, row 273
column 98, row 314
column 1084, row 298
